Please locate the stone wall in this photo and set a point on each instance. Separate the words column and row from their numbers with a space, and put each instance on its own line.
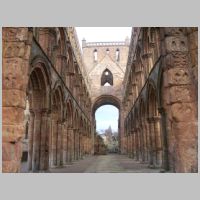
column 160, row 98
column 39, row 66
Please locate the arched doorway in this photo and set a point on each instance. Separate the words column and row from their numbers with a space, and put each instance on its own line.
column 106, row 120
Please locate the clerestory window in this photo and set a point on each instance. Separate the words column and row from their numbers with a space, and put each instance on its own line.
column 117, row 55
column 95, row 55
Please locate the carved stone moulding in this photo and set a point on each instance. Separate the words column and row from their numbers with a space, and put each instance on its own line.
column 177, row 76
column 176, row 59
column 172, row 31
column 176, row 44
column 15, row 34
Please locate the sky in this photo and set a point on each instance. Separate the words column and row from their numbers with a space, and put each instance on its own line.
column 106, row 115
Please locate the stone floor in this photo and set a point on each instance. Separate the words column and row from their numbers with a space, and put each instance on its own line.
column 111, row 163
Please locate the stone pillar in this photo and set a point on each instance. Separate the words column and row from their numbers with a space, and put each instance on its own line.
column 76, row 138
column 127, row 144
column 44, row 134
column 151, row 142
column 64, row 143
column 158, row 140
column 131, row 145
column 136, row 145
column 81, row 145
column 62, row 148
column 58, row 144
column 16, row 46
column 147, row 139
column 133, row 142
column 180, row 101
column 30, row 140
column 69, row 146
column 36, row 141
column 54, row 132
column 165, row 161
column 142, row 149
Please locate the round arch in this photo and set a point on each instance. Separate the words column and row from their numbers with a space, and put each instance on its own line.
column 105, row 100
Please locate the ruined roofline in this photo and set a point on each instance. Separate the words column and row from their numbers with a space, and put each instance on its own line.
column 92, row 44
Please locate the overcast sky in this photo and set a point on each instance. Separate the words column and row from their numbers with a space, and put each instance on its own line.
column 106, row 115
column 103, row 34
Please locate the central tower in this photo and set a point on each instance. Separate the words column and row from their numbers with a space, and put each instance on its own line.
column 105, row 64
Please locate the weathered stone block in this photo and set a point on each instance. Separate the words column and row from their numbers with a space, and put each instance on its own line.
column 12, row 152
column 14, row 49
column 177, row 76
column 12, row 133
column 176, row 44
column 182, row 94
column 13, row 34
column 185, row 132
column 183, row 112
column 171, row 31
column 176, row 59
column 14, row 79
column 11, row 166
column 13, row 98
column 12, row 115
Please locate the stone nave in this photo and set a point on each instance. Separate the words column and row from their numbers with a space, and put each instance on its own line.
column 51, row 91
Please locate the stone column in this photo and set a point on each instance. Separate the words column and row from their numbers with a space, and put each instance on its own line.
column 158, row 140
column 131, row 145
column 43, row 137
column 54, row 133
column 70, row 144
column 30, row 140
column 76, row 139
column 16, row 46
column 81, row 145
column 142, row 143
column 36, row 141
column 69, row 149
column 48, row 142
column 127, row 144
column 58, row 144
column 134, row 143
column 137, row 144
column 64, row 143
column 151, row 142
column 147, row 139
column 165, row 161
column 180, row 101
column 62, row 148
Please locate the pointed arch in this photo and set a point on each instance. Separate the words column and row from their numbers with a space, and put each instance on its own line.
column 106, row 77
column 69, row 113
